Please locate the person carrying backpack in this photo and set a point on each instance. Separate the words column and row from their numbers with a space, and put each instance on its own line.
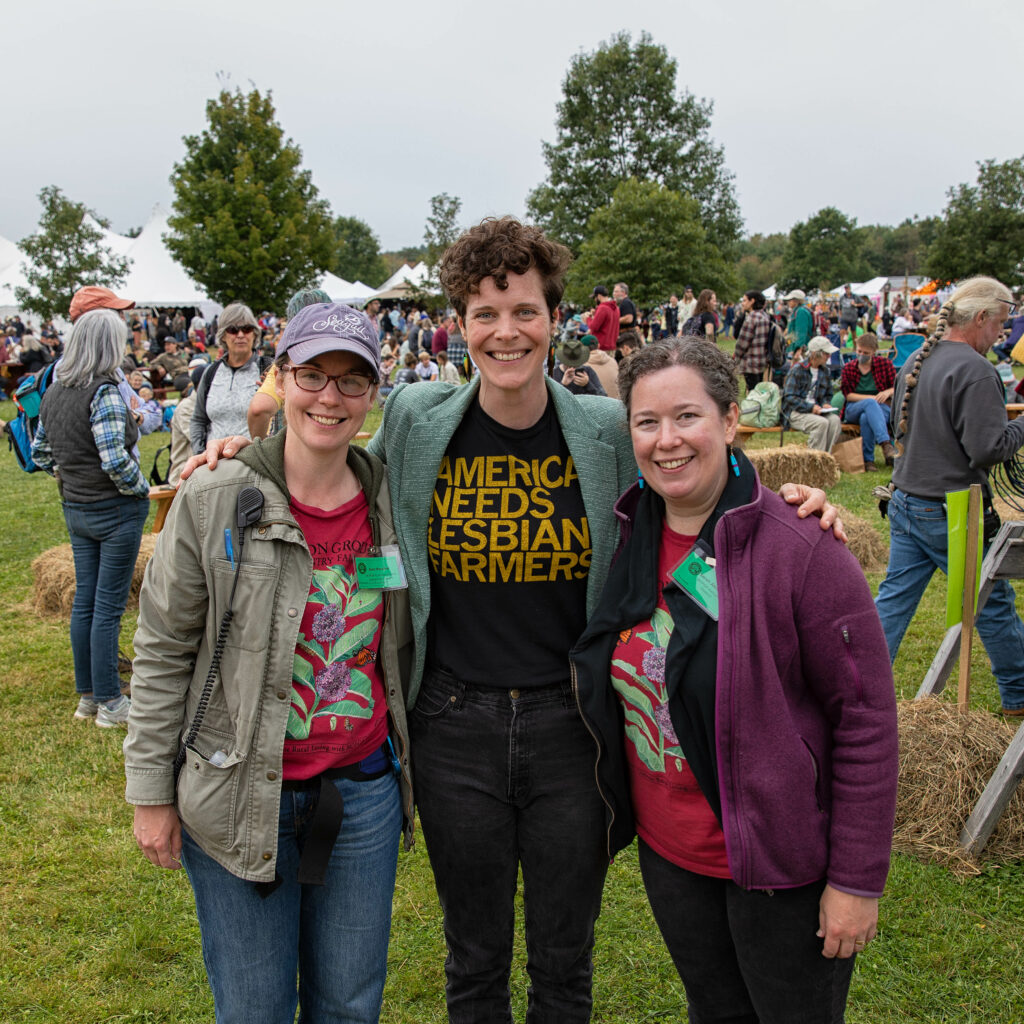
column 85, row 437
column 752, row 353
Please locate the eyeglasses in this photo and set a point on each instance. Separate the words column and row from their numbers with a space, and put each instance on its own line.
column 351, row 385
column 247, row 329
column 1012, row 305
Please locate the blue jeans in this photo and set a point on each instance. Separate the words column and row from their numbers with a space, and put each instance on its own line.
column 335, row 936
column 917, row 547
column 105, row 537
column 873, row 420
column 505, row 778
column 745, row 956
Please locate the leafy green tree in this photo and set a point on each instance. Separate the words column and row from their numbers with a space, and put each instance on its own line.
column 982, row 227
column 357, row 252
column 440, row 230
column 898, row 250
column 823, row 251
column 248, row 223
column 651, row 238
column 396, row 258
column 760, row 260
column 65, row 254
column 621, row 118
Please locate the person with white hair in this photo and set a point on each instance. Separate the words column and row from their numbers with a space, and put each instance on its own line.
column 85, row 437
column 953, row 429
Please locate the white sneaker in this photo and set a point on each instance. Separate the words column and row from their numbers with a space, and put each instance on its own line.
column 86, row 708
column 113, row 713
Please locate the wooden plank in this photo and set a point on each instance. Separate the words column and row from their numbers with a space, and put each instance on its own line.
column 967, row 606
column 998, row 793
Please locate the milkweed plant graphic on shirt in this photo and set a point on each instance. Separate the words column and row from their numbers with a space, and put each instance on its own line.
column 644, row 698
column 325, row 679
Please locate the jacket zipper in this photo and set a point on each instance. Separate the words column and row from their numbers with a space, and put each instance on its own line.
column 597, row 743
column 853, row 664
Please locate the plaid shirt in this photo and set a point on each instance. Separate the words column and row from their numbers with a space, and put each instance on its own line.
column 882, row 368
column 798, row 383
column 108, row 416
column 751, row 352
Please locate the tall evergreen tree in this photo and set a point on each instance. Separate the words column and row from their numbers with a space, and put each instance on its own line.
column 248, row 223
column 621, row 118
column 66, row 253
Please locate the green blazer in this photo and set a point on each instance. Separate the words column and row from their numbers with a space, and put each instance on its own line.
column 419, row 423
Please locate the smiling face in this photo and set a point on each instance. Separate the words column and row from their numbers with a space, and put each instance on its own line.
column 679, row 441
column 508, row 333
column 322, row 423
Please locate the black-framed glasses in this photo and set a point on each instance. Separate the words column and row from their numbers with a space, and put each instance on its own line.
column 351, row 385
column 246, row 329
column 1013, row 307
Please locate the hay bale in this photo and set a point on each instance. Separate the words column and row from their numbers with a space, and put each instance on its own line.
column 946, row 760
column 866, row 543
column 54, row 572
column 794, row 463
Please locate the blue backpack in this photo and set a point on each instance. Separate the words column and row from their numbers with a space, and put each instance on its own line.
column 27, row 397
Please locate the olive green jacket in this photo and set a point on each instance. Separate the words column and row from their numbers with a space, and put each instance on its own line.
column 419, row 421
column 231, row 808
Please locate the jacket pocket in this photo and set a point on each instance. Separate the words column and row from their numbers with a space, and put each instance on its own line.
column 253, row 603
column 816, row 771
column 208, row 796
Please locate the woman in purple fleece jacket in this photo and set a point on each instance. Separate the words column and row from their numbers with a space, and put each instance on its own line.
column 736, row 678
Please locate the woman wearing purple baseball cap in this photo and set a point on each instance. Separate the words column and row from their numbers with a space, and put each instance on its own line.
column 267, row 748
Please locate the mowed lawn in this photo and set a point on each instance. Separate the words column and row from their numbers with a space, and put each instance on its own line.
column 91, row 932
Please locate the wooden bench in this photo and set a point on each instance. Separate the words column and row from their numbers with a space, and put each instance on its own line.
column 743, row 432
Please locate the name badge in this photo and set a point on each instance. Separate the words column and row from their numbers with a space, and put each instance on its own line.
column 381, row 569
column 695, row 575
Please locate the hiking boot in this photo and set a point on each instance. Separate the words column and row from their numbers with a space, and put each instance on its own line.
column 870, row 467
column 113, row 713
column 889, row 452
column 1012, row 712
column 86, row 707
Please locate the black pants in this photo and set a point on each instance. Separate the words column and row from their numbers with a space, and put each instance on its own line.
column 505, row 779
column 745, row 957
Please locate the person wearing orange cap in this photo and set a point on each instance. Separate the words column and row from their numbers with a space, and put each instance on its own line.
column 96, row 297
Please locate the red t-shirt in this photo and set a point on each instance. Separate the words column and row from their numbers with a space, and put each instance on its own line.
column 672, row 814
column 338, row 712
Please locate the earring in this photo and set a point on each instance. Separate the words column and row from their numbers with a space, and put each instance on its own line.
column 732, row 461
column 640, row 478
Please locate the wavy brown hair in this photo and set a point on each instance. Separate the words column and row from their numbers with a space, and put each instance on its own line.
column 497, row 247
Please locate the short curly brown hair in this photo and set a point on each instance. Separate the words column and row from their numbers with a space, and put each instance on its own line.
column 497, row 247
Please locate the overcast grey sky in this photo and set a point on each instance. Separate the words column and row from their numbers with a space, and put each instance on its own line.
column 874, row 106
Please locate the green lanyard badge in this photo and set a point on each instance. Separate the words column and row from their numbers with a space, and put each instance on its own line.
column 381, row 569
column 695, row 575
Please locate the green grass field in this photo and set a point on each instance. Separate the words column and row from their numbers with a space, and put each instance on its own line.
column 92, row 932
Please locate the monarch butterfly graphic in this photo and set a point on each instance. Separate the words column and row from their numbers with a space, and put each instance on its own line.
column 364, row 657
column 626, row 635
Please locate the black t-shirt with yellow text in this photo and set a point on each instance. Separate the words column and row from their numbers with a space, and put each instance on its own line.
column 509, row 546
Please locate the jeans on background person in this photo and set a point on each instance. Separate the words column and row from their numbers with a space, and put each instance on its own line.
column 873, row 420
column 745, row 956
column 105, row 537
column 506, row 778
column 335, row 936
column 917, row 547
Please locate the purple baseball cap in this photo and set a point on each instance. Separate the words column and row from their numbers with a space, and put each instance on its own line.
column 330, row 327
